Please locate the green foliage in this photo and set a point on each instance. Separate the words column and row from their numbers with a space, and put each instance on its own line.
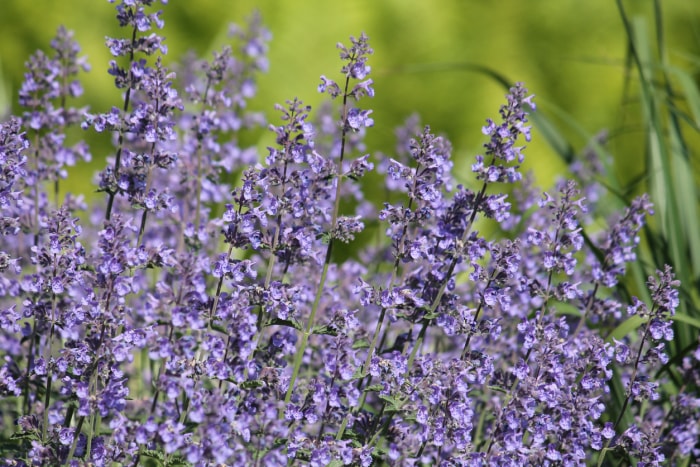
column 670, row 104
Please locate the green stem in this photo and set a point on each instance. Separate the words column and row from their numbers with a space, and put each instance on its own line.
column 26, row 405
column 438, row 297
column 198, row 186
column 219, row 286
column 587, row 310
column 299, row 356
column 36, row 189
column 120, row 141
column 628, row 395
column 448, row 276
column 465, row 349
column 161, row 370
column 96, row 419
column 76, row 435
column 268, row 276
column 400, row 246
column 49, row 372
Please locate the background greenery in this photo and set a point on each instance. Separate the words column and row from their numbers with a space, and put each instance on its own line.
column 631, row 67
column 571, row 54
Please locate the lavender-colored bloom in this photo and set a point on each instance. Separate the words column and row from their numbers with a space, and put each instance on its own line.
column 49, row 82
column 619, row 244
column 13, row 161
column 563, row 238
column 193, row 322
column 501, row 149
column 358, row 119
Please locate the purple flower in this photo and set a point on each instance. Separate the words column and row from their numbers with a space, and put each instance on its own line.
column 501, row 149
column 209, row 311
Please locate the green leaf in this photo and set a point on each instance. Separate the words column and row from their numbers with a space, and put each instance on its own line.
column 393, row 404
column 686, row 194
column 618, row 394
column 324, row 330
column 285, row 322
column 325, row 238
column 25, row 435
column 690, row 91
column 176, row 461
column 389, row 399
column 251, row 384
column 280, row 442
column 554, row 137
column 157, row 455
column 498, row 389
column 683, row 318
column 563, row 308
column 373, row 387
column 360, row 344
column 626, row 327
column 352, row 435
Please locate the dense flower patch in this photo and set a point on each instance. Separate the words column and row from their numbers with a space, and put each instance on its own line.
column 195, row 312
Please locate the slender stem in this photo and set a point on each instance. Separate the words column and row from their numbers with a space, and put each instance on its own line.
column 400, row 247
column 120, row 142
column 47, row 395
column 270, row 267
column 161, row 370
column 465, row 349
column 448, row 276
column 144, row 215
column 441, row 291
column 509, row 394
column 299, row 356
column 587, row 310
column 628, row 394
column 384, row 426
column 36, row 189
column 326, row 410
column 444, row 422
column 215, row 305
column 634, row 373
column 539, row 318
column 64, row 86
column 30, row 357
column 69, row 416
column 26, row 405
column 96, row 418
column 400, row 250
column 198, row 186
column 81, row 420
column 74, row 444
column 219, row 286
column 49, row 372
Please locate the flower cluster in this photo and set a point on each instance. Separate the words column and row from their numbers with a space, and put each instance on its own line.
column 201, row 313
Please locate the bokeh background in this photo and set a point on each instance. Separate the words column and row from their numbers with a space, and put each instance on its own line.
column 430, row 58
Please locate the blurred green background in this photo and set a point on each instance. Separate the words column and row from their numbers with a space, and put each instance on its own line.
column 570, row 53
